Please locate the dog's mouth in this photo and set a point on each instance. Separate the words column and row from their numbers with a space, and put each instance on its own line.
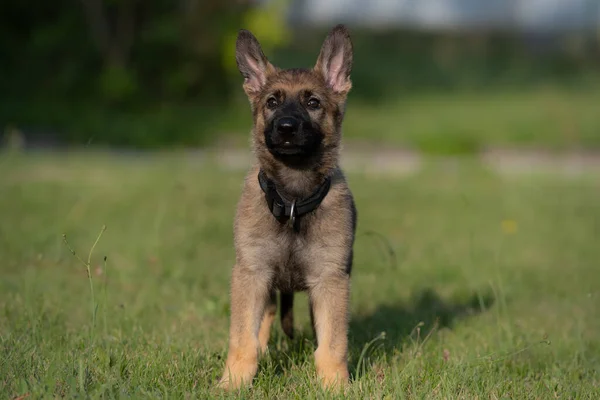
column 288, row 148
column 302, row 145
column 282, row 149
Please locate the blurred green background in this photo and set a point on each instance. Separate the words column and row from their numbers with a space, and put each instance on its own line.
column 156, row 74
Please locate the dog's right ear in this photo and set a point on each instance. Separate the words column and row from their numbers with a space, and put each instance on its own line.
column 251, row 62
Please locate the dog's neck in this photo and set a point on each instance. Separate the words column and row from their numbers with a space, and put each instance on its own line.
column 298, row 182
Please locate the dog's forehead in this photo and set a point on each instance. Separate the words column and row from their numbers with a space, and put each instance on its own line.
column 294, row 80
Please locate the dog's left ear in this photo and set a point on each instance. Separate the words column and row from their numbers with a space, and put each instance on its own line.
column 335, row 60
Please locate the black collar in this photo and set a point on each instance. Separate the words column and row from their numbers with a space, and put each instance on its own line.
column 283, row 208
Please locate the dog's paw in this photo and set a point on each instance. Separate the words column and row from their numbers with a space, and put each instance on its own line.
column 332, row 373
column 334, row 380
column 237, row 376
column 228, row 382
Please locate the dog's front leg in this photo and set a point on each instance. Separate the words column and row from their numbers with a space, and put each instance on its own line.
column 249, row 297
column 329, row 301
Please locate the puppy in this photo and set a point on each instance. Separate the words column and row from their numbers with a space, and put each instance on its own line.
column 296, row 220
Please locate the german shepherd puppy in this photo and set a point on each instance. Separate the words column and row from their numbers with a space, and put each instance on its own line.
column 296, row 220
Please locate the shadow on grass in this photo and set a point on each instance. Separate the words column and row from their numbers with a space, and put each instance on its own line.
column 427, row 310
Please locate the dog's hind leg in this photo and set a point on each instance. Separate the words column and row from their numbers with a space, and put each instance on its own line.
column 312, row 320
column 267, row 321
column 287, row 313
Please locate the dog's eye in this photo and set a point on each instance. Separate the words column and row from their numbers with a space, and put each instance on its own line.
column 272, row 102
column 313, row 103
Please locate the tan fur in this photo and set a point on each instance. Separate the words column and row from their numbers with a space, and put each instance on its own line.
column 271, row 256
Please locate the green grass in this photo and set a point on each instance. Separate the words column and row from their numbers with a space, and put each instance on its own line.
column 463, row 122
column 508, row 267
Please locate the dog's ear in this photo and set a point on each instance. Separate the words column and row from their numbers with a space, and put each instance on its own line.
column 335, row 60
column 251, row 62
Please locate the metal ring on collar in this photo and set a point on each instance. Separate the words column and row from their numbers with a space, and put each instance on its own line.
column 293, row 213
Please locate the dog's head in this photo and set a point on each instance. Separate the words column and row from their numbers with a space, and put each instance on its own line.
column 297, row 112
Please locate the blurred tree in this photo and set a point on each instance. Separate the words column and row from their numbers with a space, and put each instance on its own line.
column 112, row 27
column 114, row 36
column 117, row 49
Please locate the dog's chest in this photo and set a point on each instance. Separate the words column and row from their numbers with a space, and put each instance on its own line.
column 291, row 265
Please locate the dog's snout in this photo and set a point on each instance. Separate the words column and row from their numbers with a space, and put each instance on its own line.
column 288, row 125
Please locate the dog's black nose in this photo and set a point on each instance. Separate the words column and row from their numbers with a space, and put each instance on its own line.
column 287, row 125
